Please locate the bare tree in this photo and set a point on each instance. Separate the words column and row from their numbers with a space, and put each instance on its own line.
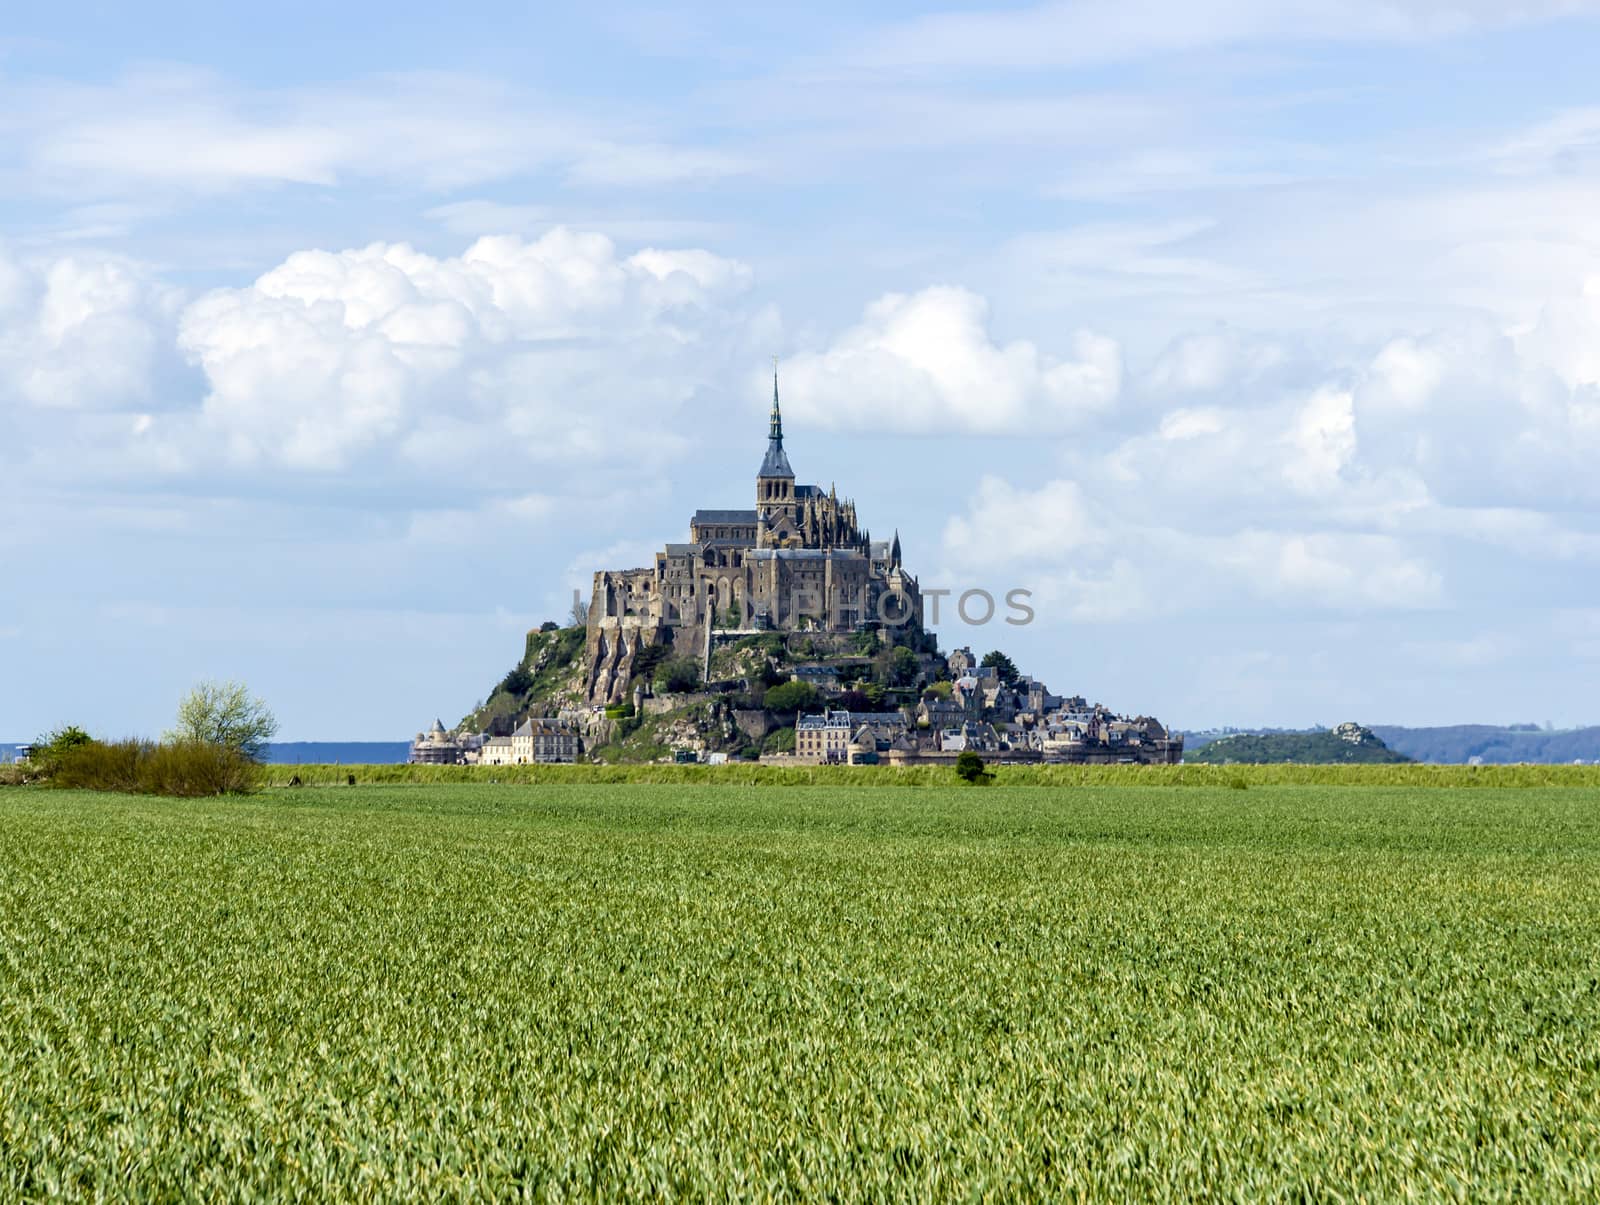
column 225, row 713
column 580, row 610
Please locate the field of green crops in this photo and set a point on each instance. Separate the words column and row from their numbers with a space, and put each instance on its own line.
column 600, row 991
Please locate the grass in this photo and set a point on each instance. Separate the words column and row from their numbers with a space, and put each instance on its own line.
column 588, row 991
column 754, row 774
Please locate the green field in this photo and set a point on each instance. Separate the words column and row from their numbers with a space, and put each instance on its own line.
column 688, row 990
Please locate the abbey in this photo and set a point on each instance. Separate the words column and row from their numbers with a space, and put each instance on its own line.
column 798, row 560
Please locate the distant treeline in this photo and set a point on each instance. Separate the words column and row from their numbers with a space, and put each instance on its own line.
column 1307, row 748
column 1494, row 744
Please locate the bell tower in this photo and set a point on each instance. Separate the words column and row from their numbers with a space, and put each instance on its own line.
column 775, row 481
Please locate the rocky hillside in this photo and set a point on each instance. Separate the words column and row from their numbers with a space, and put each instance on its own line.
column 547, row 681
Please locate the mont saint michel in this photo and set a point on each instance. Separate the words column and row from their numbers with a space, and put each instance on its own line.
column 798, row 560
column 782, row 632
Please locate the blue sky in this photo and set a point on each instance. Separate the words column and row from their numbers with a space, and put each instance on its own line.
column 339, row 343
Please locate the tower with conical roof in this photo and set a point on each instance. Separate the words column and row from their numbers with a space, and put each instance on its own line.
column 775, row 481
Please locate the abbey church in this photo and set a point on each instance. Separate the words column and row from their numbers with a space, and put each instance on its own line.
column 798, row 560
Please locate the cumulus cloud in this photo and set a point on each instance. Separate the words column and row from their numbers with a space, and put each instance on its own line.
column 925, row 362
column 83, row 331
column 1088, row 556
column 333, row 353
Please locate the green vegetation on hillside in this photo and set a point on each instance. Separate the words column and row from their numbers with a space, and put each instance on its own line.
column 549, row 670
column 691, row 992
column 1310, row 748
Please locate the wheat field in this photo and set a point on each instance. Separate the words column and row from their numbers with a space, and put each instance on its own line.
column 603, row 991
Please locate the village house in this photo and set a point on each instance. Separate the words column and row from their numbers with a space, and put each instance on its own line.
column 822, row 739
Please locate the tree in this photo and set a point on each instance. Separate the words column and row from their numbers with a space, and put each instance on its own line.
column 969, row 768
column 855, row 700
column 791, row 696
column 225, row 714
column 648, row 659
column 902, row 667
column 580, row 611
column 518, row 682
column 551, row 625
column 1003, row 665
column 677, row 674
column 937, row 690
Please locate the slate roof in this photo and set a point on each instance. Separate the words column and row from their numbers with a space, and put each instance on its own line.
column 776, row 464
column 747, row 517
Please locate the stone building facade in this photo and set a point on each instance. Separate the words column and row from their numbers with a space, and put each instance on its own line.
column 799, row 559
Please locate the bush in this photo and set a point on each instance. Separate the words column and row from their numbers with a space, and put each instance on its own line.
column 48, row 751
column 969, row 768
column 779, row 740
column 791, row 696
column 518, row 682
column 182, row 768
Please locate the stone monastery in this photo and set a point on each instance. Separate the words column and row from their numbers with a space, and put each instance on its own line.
column 798, row 560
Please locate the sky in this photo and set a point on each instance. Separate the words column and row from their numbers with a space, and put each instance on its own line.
column 1260, row 341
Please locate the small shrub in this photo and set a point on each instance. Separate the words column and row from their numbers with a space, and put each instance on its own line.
column 48, row 751
column 969, row 768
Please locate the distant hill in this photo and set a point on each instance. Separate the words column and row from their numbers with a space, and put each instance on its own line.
column 1348, row 743
column 1493, row 744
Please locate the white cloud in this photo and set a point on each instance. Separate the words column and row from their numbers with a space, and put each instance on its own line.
column 438, row 130
column 82, row 331
column 1321, row 443
column 925, row 362
column 1331, row 570
column 331, row 354
column 1005, row 525
column 1099, row 31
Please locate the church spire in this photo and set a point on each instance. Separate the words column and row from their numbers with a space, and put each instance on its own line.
column 775, row 422
column 776, row 464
